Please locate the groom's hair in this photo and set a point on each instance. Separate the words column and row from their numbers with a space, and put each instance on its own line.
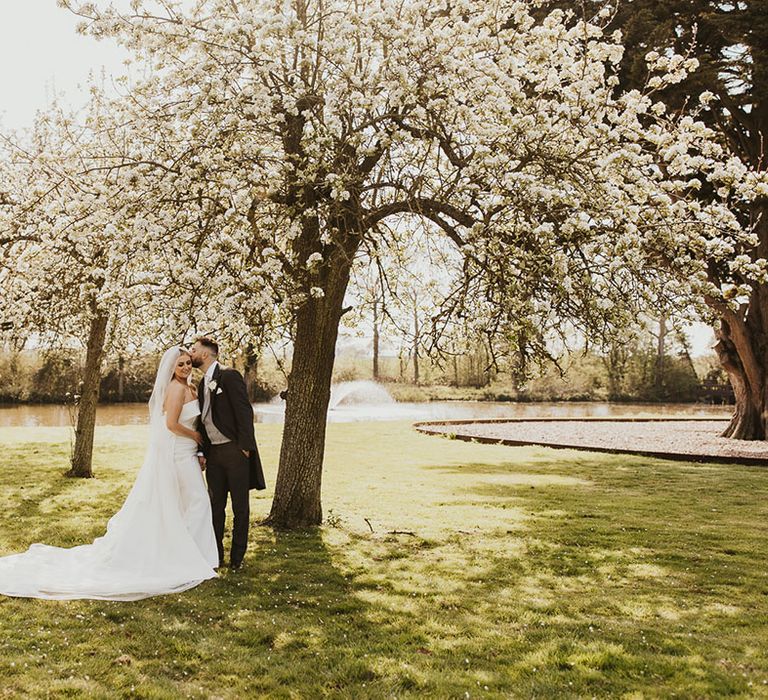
column 210, row 344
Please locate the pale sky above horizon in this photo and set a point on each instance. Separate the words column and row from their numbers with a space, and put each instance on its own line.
column 42, row 55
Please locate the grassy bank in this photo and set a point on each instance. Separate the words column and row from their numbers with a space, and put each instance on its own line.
column 490, row 572
column 416, row 393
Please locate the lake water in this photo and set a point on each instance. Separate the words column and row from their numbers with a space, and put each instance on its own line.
column 136, row 413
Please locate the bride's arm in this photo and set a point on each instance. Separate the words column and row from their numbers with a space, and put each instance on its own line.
column 174, row 402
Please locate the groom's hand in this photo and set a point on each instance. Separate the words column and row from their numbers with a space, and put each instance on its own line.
column 203, row 462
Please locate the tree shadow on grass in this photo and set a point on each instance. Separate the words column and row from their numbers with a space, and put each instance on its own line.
column 27, row 483
column 40, row 504
column 288, row 624
column 591, row 597
column 540, row 461
column 628, row 585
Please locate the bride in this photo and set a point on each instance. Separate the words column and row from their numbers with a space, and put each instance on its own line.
column 162, row 539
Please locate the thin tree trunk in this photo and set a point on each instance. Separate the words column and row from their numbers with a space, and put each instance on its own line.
column 251, row 371
column 297, row 501
column 375, row 340
column 616, row 365
column 486, row 375
column 82, row 457
column 416, row 338
column 120, row 378
column 658, row 380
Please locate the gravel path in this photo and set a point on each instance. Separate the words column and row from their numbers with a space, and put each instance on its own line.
column 696, row 440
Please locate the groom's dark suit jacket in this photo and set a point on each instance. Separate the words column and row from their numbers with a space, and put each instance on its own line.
column 232, row 414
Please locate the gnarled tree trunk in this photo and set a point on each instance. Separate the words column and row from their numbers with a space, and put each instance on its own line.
column 297, row 492
column 749, row 388
column 82, row 457
column 742, row 348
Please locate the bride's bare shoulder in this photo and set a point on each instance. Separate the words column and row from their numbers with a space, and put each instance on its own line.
column 175, row 389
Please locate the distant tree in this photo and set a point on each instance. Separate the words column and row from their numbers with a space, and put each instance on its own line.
column 616, row 360
column 368, row 308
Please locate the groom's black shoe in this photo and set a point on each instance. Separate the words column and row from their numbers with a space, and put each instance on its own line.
column 235, row 565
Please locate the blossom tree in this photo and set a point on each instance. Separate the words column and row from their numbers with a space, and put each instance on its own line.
column 66, row 258
column 83, row 259
column 316, row 122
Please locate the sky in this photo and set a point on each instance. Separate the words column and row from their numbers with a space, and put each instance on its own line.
column 42, row 55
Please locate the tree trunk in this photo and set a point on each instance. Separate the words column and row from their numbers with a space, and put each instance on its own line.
column 416, row 338
column 616, row 366
column 737, row 340
column 120, row 378
column 251, row 371
column 485, row 377
column 658, row 379
column 748, row 422
column 375, row 340
column 82, row 456
column 742, row 348
column 297, row 492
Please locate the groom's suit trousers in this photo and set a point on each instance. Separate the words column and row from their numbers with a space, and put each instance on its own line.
column 228, row 473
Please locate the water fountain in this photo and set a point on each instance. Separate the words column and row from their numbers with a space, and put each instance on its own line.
column 360, row 392
column 350, row 401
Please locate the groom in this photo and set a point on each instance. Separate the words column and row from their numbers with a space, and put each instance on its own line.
column 229, row 451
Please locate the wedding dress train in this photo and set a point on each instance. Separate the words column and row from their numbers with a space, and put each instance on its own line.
column 160, row 541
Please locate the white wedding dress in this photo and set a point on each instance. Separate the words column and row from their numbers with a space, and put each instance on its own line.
column 160, row 541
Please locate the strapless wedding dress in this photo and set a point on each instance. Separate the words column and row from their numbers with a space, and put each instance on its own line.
column 160, row 541
column 193, row 491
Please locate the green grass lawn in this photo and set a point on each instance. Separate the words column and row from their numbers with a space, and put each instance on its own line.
column 516, row 573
